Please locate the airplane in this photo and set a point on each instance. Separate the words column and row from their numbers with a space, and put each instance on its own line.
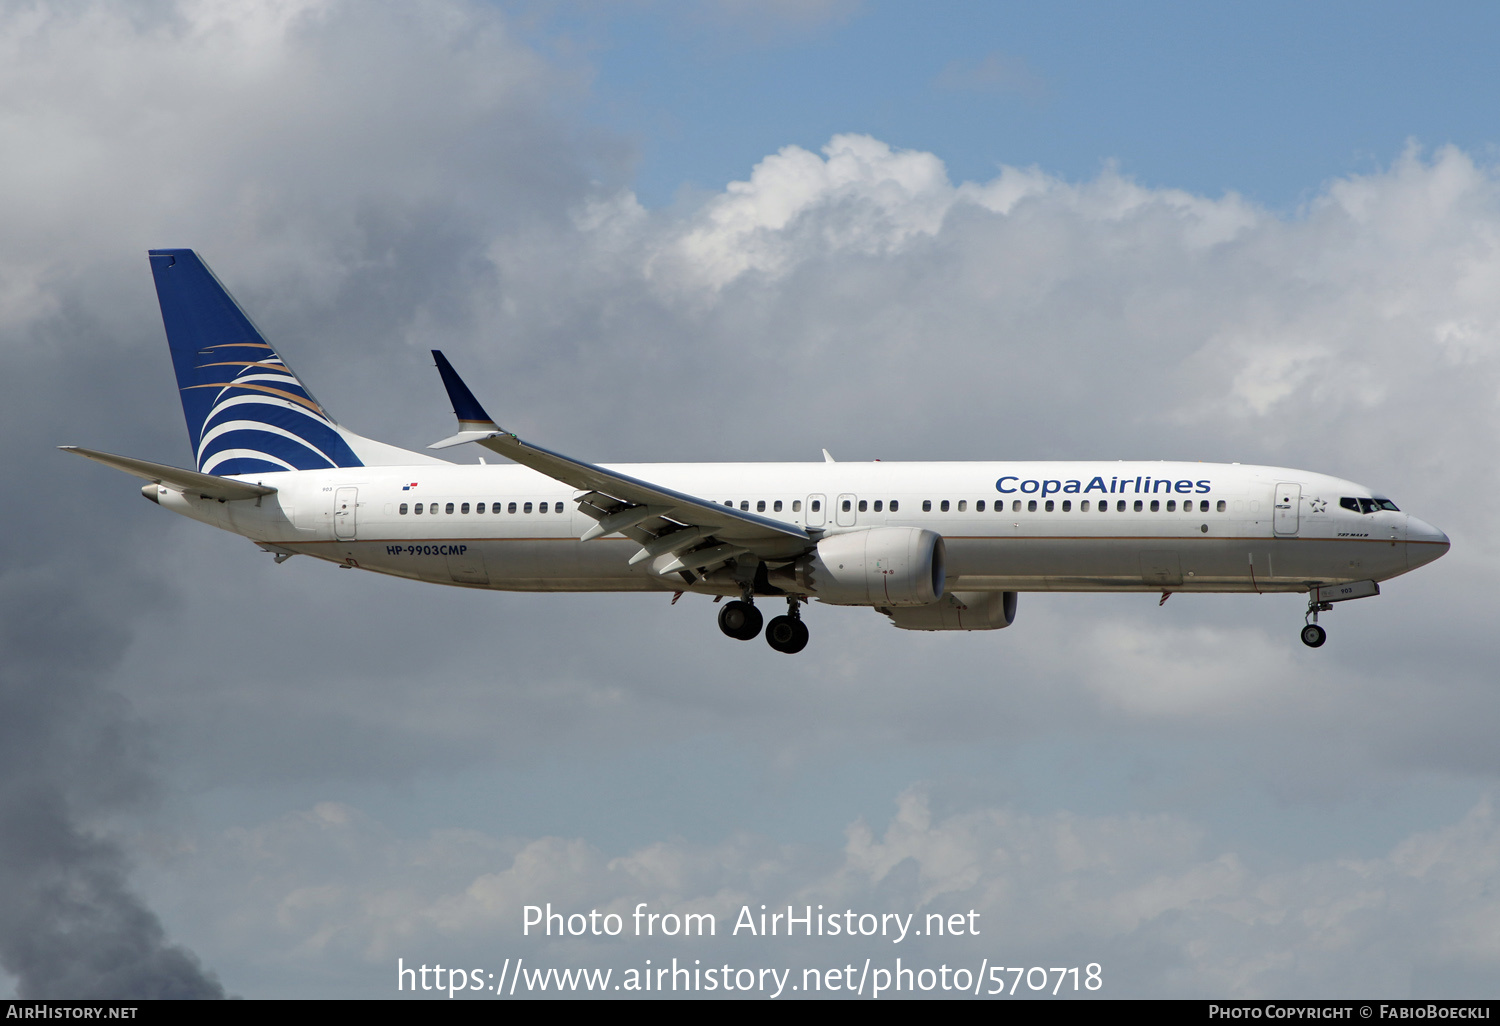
column 932, row 546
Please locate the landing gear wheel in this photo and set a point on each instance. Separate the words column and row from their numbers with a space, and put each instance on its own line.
column 740, row 620
column 786, row 634
column 1313, row 636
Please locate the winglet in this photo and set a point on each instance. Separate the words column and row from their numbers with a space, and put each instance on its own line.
column 473, row 422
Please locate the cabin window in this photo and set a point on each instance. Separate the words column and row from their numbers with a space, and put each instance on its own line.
column 760, row 505
column 1083, row 507
column 1031, row 506
column 943, row 508
column 879, row 504
column 1155, row 506
column 464, row 508
column 479, row 508
column 1015, row 506
column 895, row 505
column 1205, row 505
column 979, row 506
column 845, row 506
column 403, row 509
column 1171, row 505
column 1138, row 505
column 510, row 508
column 796, row 505
column 448, row 508
column 817, row 504
column 863, row 506
column 963, row 505
column 526, row 508
column 1120, row 506
column 1067, row 505
column 776, row 506
column 1049, row 506
column 745, row 505
column 926, row 505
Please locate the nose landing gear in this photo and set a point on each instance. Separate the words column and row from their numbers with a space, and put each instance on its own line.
column 1313, row 636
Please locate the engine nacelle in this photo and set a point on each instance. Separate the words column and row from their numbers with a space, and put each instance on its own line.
column 884, row 566
column 958, row 611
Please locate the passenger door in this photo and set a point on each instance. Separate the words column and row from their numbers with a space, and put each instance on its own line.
column 345, row 505
column 1288, row 504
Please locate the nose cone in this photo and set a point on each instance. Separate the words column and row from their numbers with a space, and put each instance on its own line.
column 1424, row 543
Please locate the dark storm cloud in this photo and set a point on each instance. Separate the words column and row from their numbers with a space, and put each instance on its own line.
column 71, row 752
column 359, row 154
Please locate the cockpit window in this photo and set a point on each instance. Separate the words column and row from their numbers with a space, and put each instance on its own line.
column 1363, row 505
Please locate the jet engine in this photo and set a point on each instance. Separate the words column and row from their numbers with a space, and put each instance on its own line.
column 883, row 566
column 958, row 611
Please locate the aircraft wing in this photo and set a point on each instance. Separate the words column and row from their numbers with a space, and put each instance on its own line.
column 676, row 530
column 190, row 481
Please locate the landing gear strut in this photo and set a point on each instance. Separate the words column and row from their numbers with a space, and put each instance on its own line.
column 740, row 620
column 787, row 633
column 1313, row 636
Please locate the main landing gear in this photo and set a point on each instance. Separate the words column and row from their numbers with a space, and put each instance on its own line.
column 787, row 633
column 742, row 621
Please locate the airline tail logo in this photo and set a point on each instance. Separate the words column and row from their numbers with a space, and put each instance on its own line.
column 262, row 418
column 247, row 413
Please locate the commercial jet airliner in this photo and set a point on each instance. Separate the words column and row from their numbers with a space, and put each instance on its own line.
column 932, row 546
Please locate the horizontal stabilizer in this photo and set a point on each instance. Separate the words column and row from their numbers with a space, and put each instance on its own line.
column 189, row 481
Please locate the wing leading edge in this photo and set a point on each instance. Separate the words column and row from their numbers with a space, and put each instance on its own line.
column 679, row 533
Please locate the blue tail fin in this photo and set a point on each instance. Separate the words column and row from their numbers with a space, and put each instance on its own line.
column 247, row 413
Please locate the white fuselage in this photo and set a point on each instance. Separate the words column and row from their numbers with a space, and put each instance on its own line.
column 1006, row 526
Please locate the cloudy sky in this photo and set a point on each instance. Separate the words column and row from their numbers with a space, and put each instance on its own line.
column 746, row 231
